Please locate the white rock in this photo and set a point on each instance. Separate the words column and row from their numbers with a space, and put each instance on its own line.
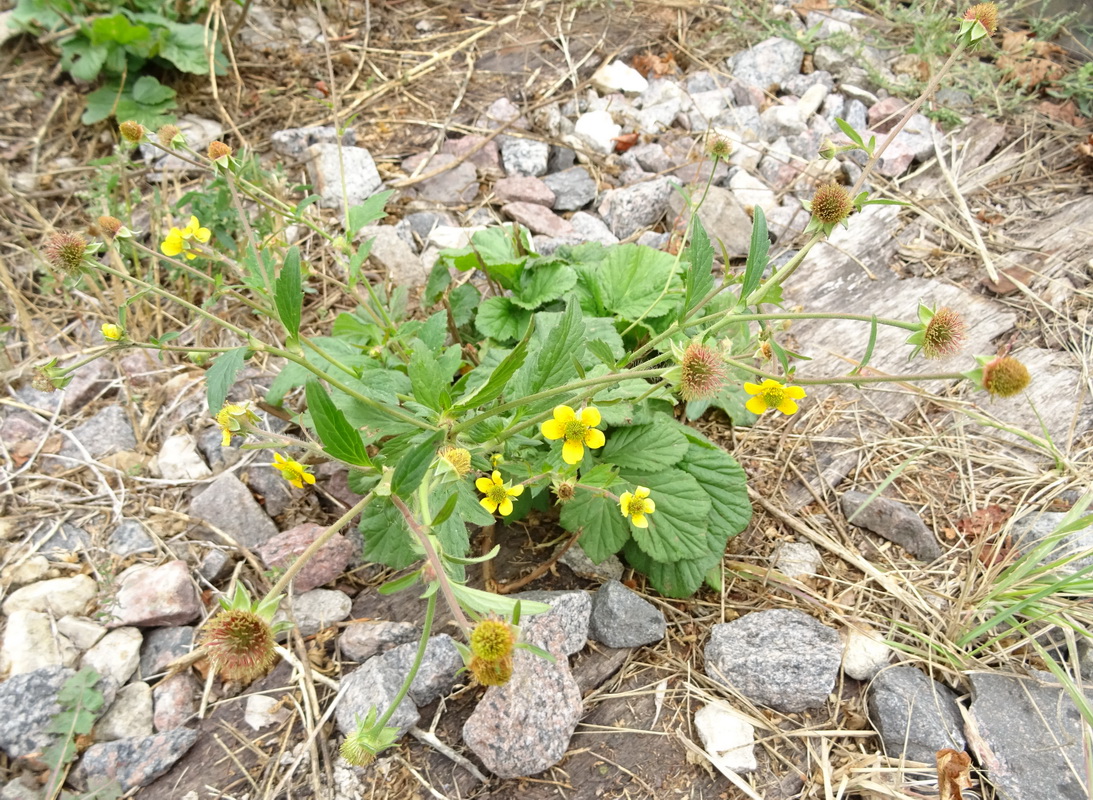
column 117, row 654
column 728, row 737
column 797, row 559
column 811, row 100
column 751, row 191
column 320, row 608
column 81, row 631
column 59, row 596
column 30, row 643
column 747, row 150
column 450, row 236
column 130, row 716
column 618, row 77
column 865, row 653
column 178, row 460
column 32, row 569
column 597, row 130
column 261, row 711
column 781, row 121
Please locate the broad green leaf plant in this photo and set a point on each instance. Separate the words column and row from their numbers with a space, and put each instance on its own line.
column 529, row 381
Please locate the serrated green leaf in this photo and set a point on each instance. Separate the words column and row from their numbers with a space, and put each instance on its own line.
column 677, row 529
column 413, row 464
column 82, row 59
column 698, row 281
column 605, row 529
column 289, row 296
column 498, row 380
column 630, row 280
column 541, row 284
column 368, row 212
column 149, row 92
column 560, row 338
column 340, row 439
column 428, row 382
column 724, row 481
column 184, row 47
column 675, row 579
column 387, row 538
column 221, row 376
column 464, row 302
column 757, row 255
column 117, row 29
column 501, row 320
column 601, row 350
column 645, row 448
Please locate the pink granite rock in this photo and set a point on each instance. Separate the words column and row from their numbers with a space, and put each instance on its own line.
column 884, row 115
column 325, row 566
column 153, row 596
column 487, row 159
column 538, row 219
column 174, row 701
column 523, row 189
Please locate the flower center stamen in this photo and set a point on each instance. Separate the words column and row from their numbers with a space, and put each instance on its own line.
column 638, row 506
column 774, row 396
column 575, row 431
column 497, row 494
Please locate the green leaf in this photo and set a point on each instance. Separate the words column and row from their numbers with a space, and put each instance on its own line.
column 601, row 350
column 149, row 92
column 117, row 29
column 498, row 380
column 562, row 338
column 184, row 46
column 848, row 129
column 542, row 284
column 289, row 296
column 112, row 100
column 677, row 529
column 340, row 439
column 82, row 59
column 757, row 255
column 368, row 212
column 501, row 320
column 630, row 280
column 413, row 464
column 605, row 529
column 675, row 579
column 868, row 348
column 446, row 510
column 464, row 301
column 727, row 486
column 429, row 383
column 387, row 539
column 698, row 281
column 645, row 448
column 221, row 375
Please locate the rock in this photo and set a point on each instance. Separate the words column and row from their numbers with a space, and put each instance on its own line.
column 865, row 653
column 116, row 655
column 1016, row 716
column 228, row 505
column 537, row 219
column 650, row 156
column 615, row 76
column 59, row 596
column 107, row 432
column 569, row 610
column 324, row 168
column 561, row 158
column 140, row 369
column 162, row 646
column 423, row 222
column 88, row 382
column 598, row 131
column 724, row 219
column 811, row 100
column 781, row 121
column 524, row 189
column 24, row 787
column 914, row 715
column 524, row 727
column 437, row 673
column 826, row 24
column 81, row 631
column 501, row 111
column 832, row 60
column 456, row 183
column 660, row 104
column 524, row 156
column 884, row 114
column 362, row 640
column 893, row 521
column 858, row 94
column 21, row 573
column 657, row 241
column 263, row 711
column 214, row 566
column 622, row 619
column 50, row 538
column 779, row 658
column 153, row 596
column 797, row 559
column 590, row 228
column 799, row 84
column 956, row 99
column 398, row 260
column 780, row 167
column 134, row 762
column 751, row 191
column 30, row 644
column 294, row 142
column 198, row 131
column 610, row 569
column 130, row 715
column 773, row 61
column 324, row 566
column 705, row 108
column 1031, row 530
column 178, row 460
column 174, row 701
column 915, row 141
column 628, row 210
column 320, row 608
column 728, row 737
column 30, row 703
column 487, row 158
column 572, row 189
column 374, row 685
column 130, row 538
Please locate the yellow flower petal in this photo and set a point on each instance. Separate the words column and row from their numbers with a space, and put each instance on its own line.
column 310, row 479
column 280, row 459
column 296, row 482
column 591, row 416
column 787, row 407
column 796, row 392
column 752, row 388
column 488, row 504
column 624, row 503
column 594, row 438
column 640, row 521
column 756, row 405
column 641, row 492
column 203, row 235
column 572, row 452
column 172, row 245
column 505, row 507
column 496, row 478
column 227, row 439
column 483, row 484
column 650, row 506
column 552, row 429
column 564, row 414
column 516, row 490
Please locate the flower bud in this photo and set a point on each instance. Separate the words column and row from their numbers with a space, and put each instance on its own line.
column 986, row 14
column 828, row 150
column 110, row 225
column 132, row 131
column 458, row 459
column 492, row 639
column 112, row 332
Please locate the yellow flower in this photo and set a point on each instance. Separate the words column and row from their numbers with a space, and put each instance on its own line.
column 498, row 495
column 112, row 332
column 178, row 239
column 771, row 394
column 636, row 506
column 293, row 471
column 578, row 432
column 231, row 418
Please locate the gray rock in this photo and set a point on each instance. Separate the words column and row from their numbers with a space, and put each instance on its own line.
column 780, row 658
column 779, row 167
column 655, row 240
column 268, row 487
column 799, row 84
column 487, row 158
column 362, row 640
column 660, row 104
column 811, row 101
column 893, row 521
column 570, row 610
column 423, row 222
column 610, row 569
column 398, row 260
column 955, row 99
column 751, row 191
column 129, row 538
column 174, row 701
column 701, row 81
column 561, row 158
column 134, row 762
column 88, row 382
column 81, row 631
column 524, row 156
column 1031, row 530
column 573, row 188
column 228, row 505
column 770, row 62
column 30, row 702
column 324, row 169
column 622, row 619
column 724, row 218
column 153, row 596
column 294, row 142
column 831, row 60
column 59, row 596
column 781, row 120
column 326, row 565
column 628, row 210
column 218, row 457
column 650, row 156
column 436, row 675
column 826, row 25
column 856, row 112
column 24, row 787
column 320, row 608
column 107, row 432
column 178, row 460
column 214, row 565
column 115, row 655
column 455, row 185
column 797, row 559
column 162, row 646
column 705, row 106
column 30, row 643
column 129, row 716
column 590, row 228
column 524, row 727
column 374, row 685
column 914, row 715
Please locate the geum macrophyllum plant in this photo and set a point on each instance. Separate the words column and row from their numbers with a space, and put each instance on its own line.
column 558, row 386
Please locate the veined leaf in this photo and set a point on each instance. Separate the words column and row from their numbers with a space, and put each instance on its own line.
column 647, row 448
column 501, row 320
column 605, row 529
column 724, row 481
column 677, row 529
column 413, row 464
column 289, row 297
column 498, row 380
column 757, row 256
column 428, row 381
column 339, row 438
column 630, row 281
column 698, row 282
column 367, row 212
column 673, row 579
column 221, row 376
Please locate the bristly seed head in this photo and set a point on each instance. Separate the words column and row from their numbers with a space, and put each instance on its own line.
column 719, row 148
column 218, row 150
column 132, row 131
column 944, row 334
column 702, row 373
column 458, row 459
column 1005, row 376
column 240, row 644
column 492, row 639
column 986, row 14
column 65, row 251
column 169, row 136
column 832, row 204
column 110, row 225
column 491, row 673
